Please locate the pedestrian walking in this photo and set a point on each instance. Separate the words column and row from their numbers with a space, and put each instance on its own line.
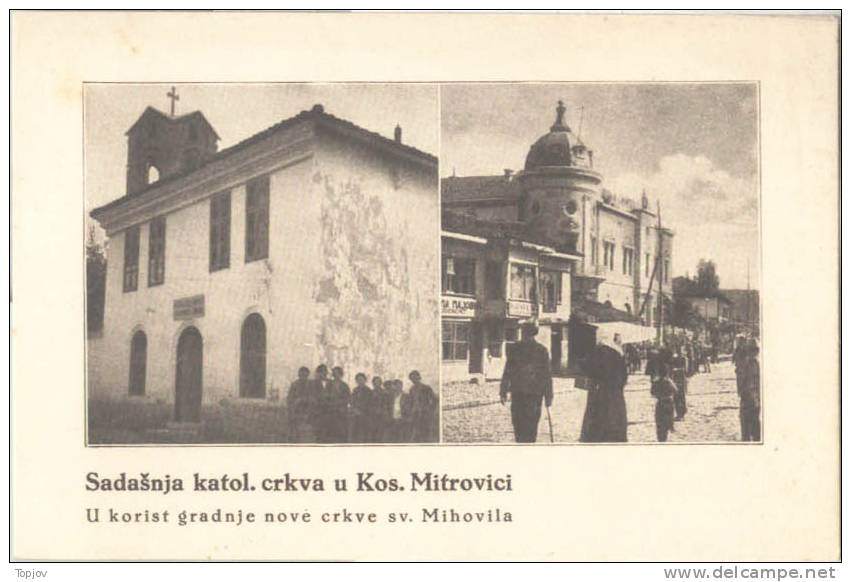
column 664, row 390
column 301, row 404
column 605, row 409
column 527, row 377
column 748, row 384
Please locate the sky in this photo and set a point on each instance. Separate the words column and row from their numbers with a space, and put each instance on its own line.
column 238, row 111
column 693, row 147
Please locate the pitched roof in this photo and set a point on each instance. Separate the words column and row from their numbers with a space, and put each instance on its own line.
column 192, row 115
column 317, row 115
column 470, row 188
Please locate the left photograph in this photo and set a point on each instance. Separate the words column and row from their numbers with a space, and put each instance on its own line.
column 262, row 263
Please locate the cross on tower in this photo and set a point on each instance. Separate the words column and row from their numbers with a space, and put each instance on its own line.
column 560, row 111
column 174, row 97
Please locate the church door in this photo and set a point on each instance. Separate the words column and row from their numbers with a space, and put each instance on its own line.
column 190, row 360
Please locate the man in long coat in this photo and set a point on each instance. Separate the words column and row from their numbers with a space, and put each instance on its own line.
column 528, row 378
column 423, row 410
column 605, row 409
column 362, row 404
column 301, row 405
column 748, row 384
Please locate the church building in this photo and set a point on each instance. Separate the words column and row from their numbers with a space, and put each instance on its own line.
column 311, row 242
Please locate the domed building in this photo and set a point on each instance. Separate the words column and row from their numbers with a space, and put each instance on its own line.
column 558, row 201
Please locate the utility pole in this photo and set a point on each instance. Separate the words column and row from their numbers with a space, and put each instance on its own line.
column 660, row 334
column 748, row 298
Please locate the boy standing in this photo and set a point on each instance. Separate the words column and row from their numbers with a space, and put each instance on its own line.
column 665, row 391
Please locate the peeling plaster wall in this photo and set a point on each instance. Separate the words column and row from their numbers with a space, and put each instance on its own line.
column 378, row 259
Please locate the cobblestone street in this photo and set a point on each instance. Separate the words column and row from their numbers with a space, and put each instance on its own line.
column 472, row 413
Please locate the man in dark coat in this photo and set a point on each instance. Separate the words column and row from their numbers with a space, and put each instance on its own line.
column 422, row 410
column 605, row 410
column 748, row 384
column 528, row 378
column 381, row 415
column 301, row 404
column 679, row 374
column 337, row 398
column 362, row 422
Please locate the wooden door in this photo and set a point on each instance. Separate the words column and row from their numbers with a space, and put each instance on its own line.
column 188, row 382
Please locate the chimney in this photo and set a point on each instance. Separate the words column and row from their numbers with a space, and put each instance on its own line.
column 397, row 134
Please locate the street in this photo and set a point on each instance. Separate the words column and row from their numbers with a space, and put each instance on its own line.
column 472, row 413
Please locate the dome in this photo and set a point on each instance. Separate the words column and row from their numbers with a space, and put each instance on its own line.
column 559, row 147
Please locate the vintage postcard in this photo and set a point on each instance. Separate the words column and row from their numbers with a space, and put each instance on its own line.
column 401, row 287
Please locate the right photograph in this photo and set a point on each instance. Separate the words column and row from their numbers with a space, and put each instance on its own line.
column 600, row 264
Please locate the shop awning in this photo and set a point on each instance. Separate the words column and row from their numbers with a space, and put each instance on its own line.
column 630, row 333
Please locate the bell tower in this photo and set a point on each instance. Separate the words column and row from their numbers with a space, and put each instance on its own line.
column 161, row 146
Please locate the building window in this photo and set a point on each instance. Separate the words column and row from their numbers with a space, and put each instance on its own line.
column 593, row 250
column 646, row 264
column 456, row 340
column 220, row 231
column 252, row 358
column 523, row 282
column 495, row 338
column 459, row 275
column 550, row 290
column 609, row 255
column 131, row 259
column 138, row 363
column 257, row 219
column 494, row 280
column 156, row 251
column 628, row 258
column 666, row 270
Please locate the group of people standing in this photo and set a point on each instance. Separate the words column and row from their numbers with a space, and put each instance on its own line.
column 326, row 410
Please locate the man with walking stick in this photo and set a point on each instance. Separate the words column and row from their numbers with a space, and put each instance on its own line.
column 528, row 378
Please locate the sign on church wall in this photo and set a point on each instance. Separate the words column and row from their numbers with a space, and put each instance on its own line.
column 189, row 307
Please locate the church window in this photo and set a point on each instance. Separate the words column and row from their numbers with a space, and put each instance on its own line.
column 220, row 231
column 252, row 358
column 138, row 363
column 156, row 252
column 131, row 259
column 257, row 219
column 153, row 173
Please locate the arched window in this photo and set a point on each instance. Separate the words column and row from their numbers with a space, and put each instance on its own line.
column 138, row 363
column 252, row 358
column 153, row 173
